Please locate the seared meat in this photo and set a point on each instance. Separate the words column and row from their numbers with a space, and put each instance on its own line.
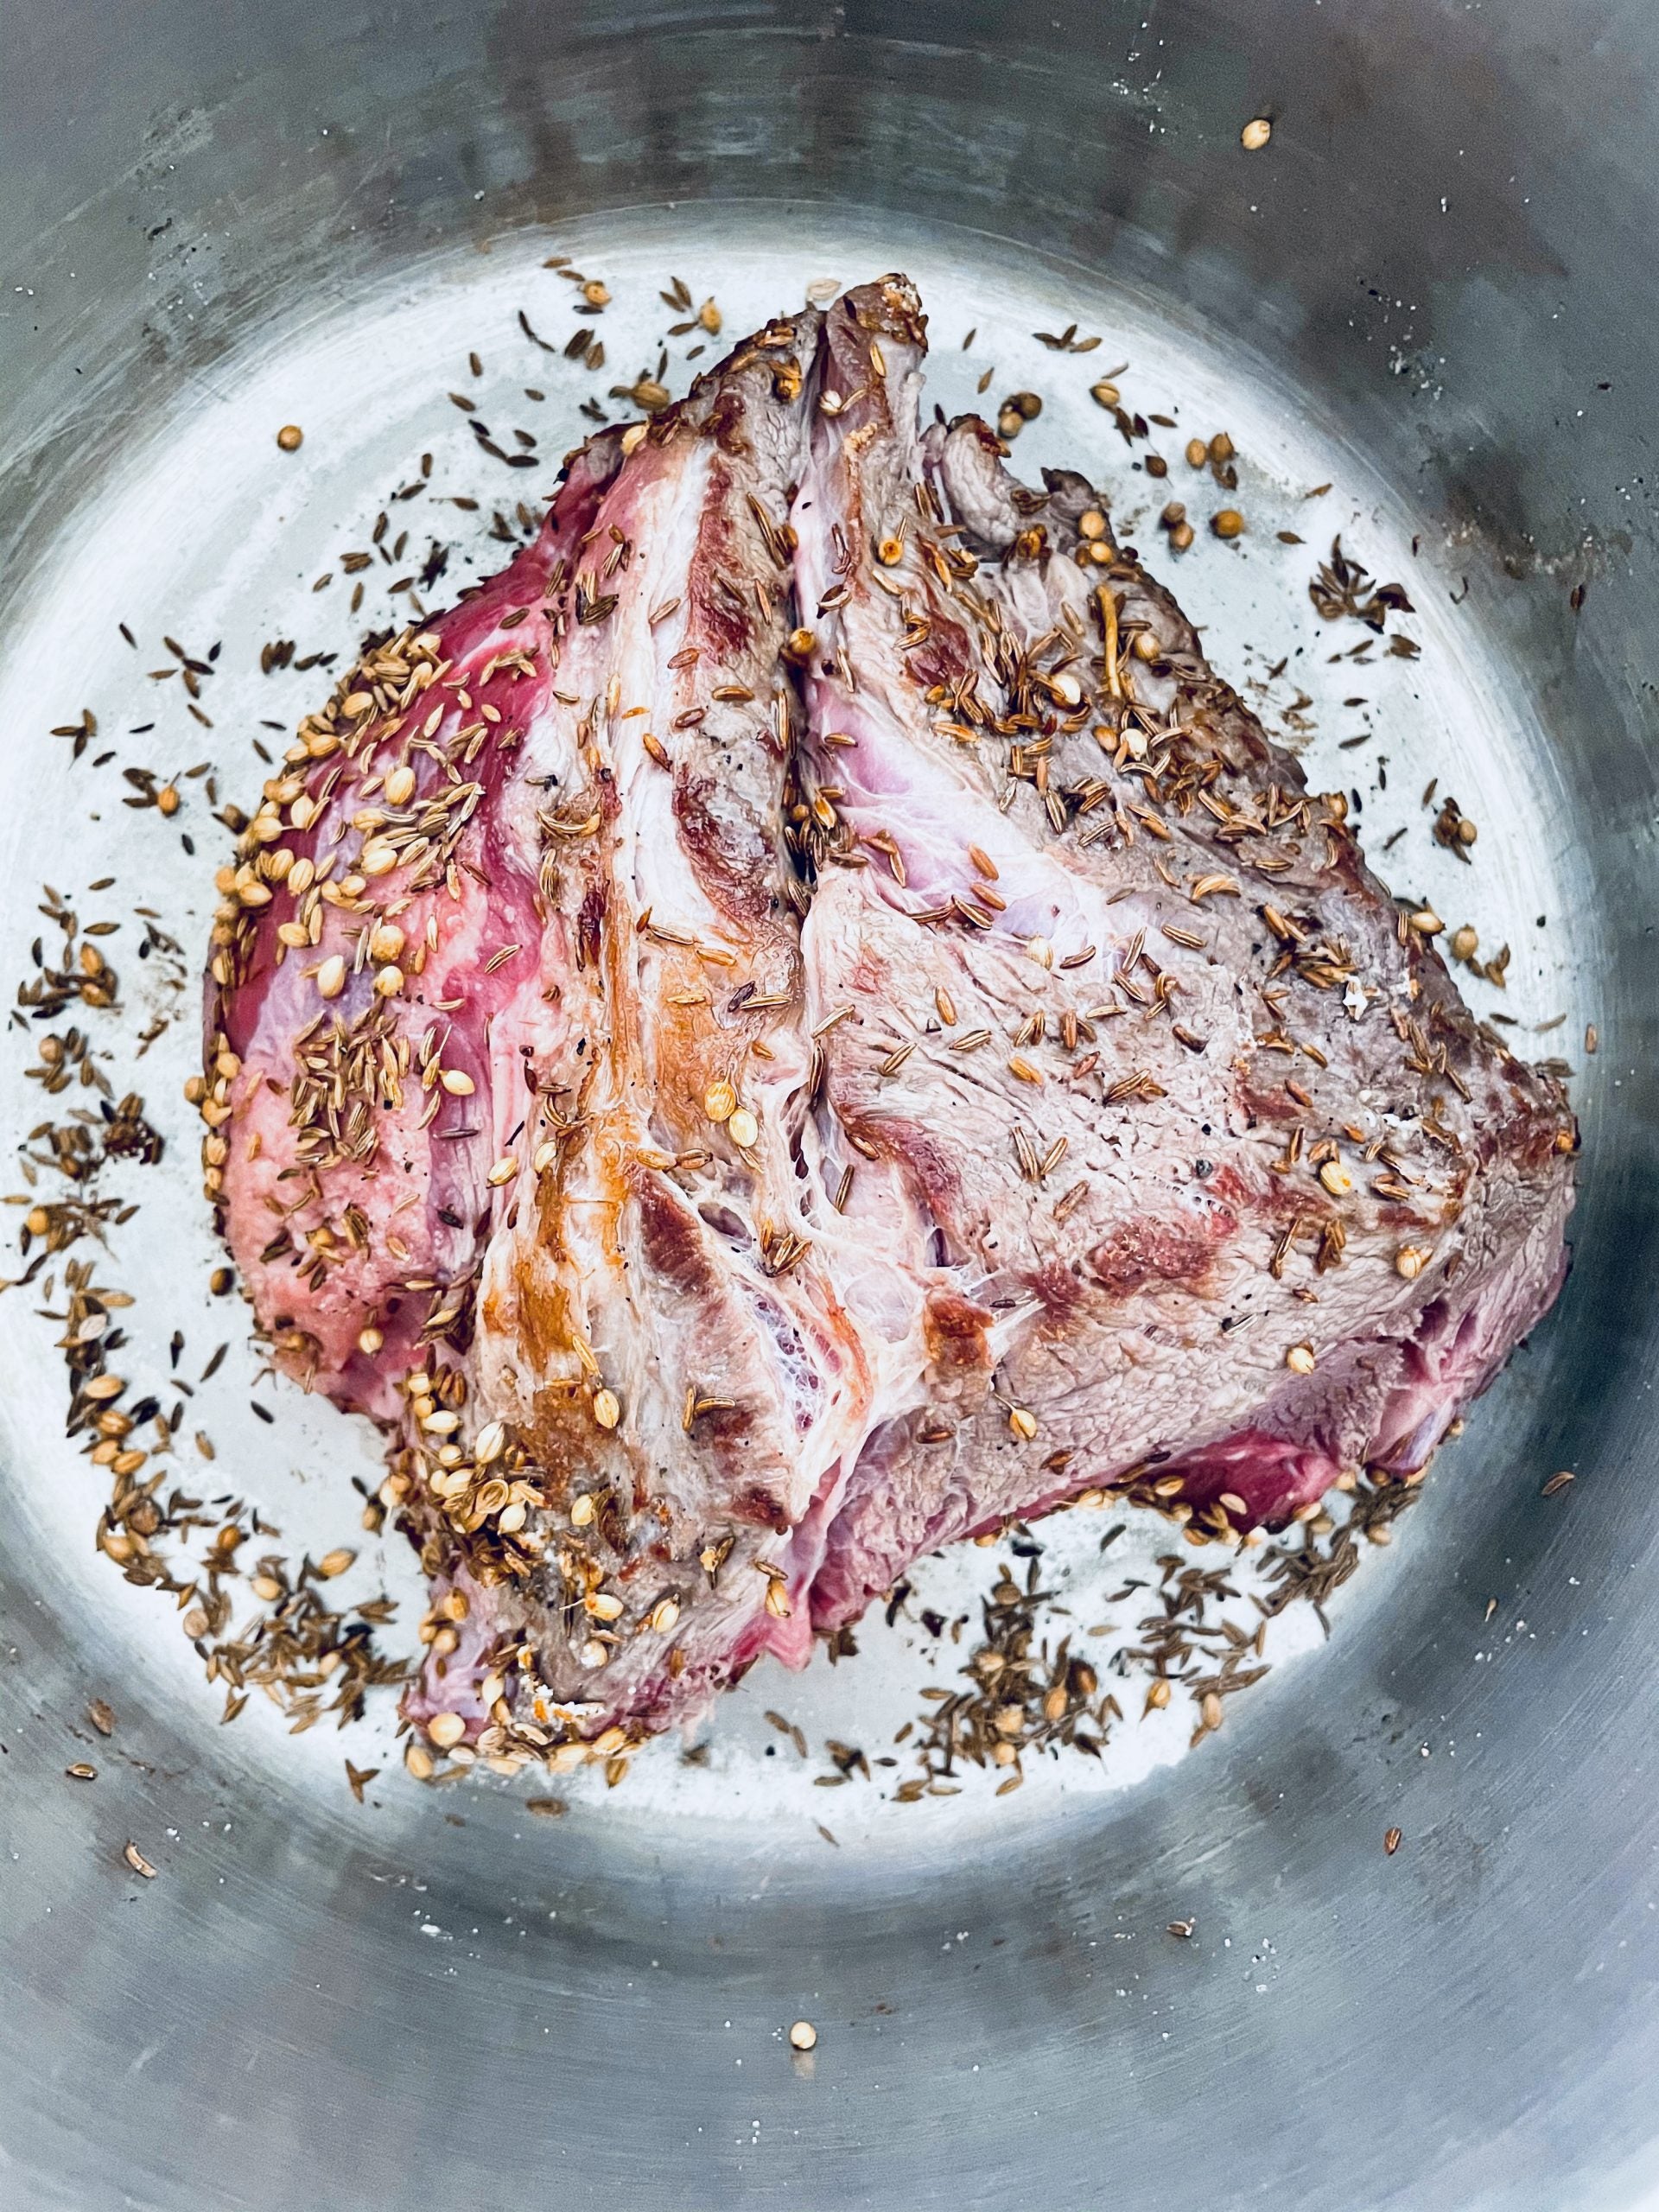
column 801, row 1022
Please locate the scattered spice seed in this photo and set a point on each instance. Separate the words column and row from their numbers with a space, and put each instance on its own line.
column 1256, row 134
column 1342, row 587
column 137, row 1860
column 803, row 2036
column 1050, row 1701
column 1392, row 1841
column 290, row 437
column 1557, row 1483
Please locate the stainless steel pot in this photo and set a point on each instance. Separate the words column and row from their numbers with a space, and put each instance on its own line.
column 1449, row 248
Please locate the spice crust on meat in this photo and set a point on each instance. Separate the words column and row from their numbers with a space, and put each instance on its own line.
column 801, row 1022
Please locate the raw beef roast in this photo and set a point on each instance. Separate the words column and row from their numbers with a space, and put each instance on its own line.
column 802, row 1022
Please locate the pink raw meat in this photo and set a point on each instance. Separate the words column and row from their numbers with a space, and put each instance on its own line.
column 802, row 1022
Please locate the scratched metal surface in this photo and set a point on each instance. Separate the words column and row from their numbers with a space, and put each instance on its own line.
column 1435, row 290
